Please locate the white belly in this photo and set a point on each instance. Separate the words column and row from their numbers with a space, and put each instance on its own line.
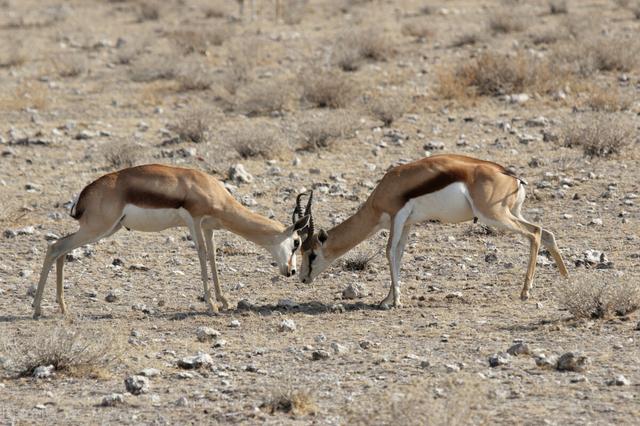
column 150, row 220
column 449, row 205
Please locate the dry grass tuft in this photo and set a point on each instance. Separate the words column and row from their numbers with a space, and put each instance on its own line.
column 504, row 23
column 494, row 74
column 121, row 155
column 465, row 40
column 599, row 295
column 192, row 127
column 293, row 11
column 387, row 108
column 153, row 68
column 193, row 76
column 326, row 88
column 558, row 7
column 322, row 130
column 353, row 47
column 599, row 134
column 148, row 11
column 70, row 66
column 609, row 99
column 289, row 401
column 595, row 54
column 357, row 262
column 74, row 350
column 256, row 140
column 419, row 29
column 12, row 55
column 200, row 41
column 266, row 97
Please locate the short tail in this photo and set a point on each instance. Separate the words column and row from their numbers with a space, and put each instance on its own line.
column 76, row 211
column 513, row 175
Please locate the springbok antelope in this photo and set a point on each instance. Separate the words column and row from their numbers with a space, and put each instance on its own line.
column 253, row 9
column 155, row 197
column 443, row 188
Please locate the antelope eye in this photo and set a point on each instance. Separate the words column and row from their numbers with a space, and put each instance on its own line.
column 296, row 244
column 312, row 257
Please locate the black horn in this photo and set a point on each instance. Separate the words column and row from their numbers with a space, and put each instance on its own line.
column 307, row 211
column 297, row 211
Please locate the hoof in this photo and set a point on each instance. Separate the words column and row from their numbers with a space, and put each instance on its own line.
column 213, row 309
column 225, row 304
column 37, row 315
column 384, row 306
column 524, row 296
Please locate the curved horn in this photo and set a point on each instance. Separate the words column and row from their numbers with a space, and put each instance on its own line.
column 297, row 211
column 307, row 211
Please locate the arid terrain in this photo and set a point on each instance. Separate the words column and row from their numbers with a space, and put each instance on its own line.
column 327, row 97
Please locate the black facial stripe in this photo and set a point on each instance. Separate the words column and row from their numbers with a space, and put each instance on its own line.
column 312, row 257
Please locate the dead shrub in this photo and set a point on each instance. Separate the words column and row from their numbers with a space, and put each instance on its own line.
column 599, row 134
column 558, row 7
column 387, row 108
column 148, row 11
column 599, row 295
column 607, row 99
column 193, row 76
column 597, row 54
column 291, row 401
column 355, row 46
column 493, row 74
column 465, row 40
column 266, row 97
column 504, row 23
column 152, row 69
column 256, row 140
column 12, row 55
column 200, row 41
column 239, row 69
column 74, row 350
column 322, row 130
column 358, row 262
column 121, row 155
column 293, row 11
column 70, row 66
column 192, row 127
column 326, row 88
column 418, row 29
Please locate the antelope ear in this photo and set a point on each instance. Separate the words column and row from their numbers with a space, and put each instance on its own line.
column 323, row 236
column 302, row 224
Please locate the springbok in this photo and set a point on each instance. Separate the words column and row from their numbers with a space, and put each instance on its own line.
column 155, row 197
column 443, row 188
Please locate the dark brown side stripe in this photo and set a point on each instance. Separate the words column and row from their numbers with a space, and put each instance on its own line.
column 143, row 197
column 440, row 181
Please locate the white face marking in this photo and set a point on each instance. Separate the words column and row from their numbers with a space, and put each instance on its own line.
column 285, row 253
column 451, row 204
column 150, row 220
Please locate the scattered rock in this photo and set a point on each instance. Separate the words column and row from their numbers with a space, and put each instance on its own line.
column 287, row 304
column 452, row 368
column 366, row 344
column 244, row 305
column 112, row 400
column 320, row 355
column 112, row 296
column 491, row 257
column 138, row 267
column 353, row 291
column 519, row 349
column 182, row 402
column 150, row 372
column 238, row 174
column 539, row 121
column 433, row 146
column 43, row 371
column 136, row 385
column 498, row 359
column 287, row 325
column 85, row 135
column 206, row 334
column 339, row 349
column 196, row 361
column 572, row 362
column 543, row 361
column 234, row 323
column 619, row 381
column 518, row 98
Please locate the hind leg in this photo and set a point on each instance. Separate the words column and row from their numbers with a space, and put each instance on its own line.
column 507, row 221
column 211, row 251
column 549, row 241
